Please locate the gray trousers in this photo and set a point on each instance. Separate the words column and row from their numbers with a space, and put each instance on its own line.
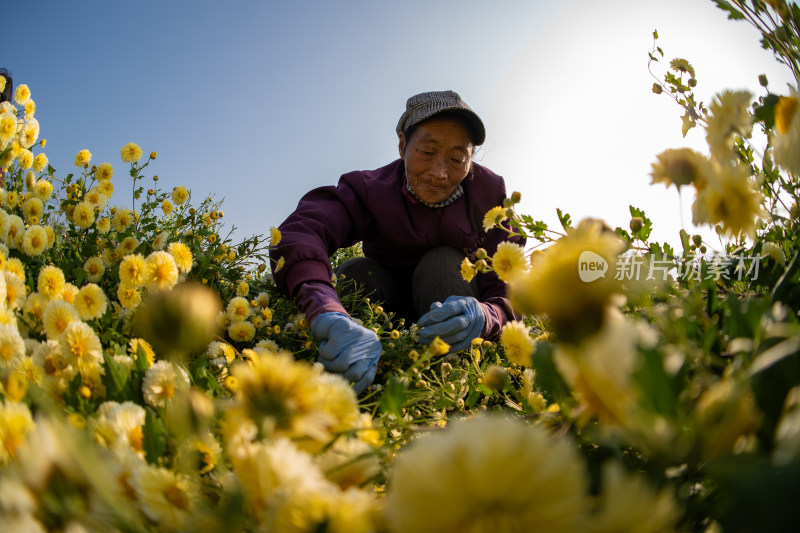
column 437, row 276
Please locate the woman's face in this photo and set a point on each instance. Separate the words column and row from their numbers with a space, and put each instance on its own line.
column 438, row 157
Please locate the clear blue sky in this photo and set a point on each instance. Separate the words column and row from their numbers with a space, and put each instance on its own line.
column 258, row 102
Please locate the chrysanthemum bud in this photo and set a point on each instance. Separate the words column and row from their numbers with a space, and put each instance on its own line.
column 507, row 203
column 155, row 178
column 762, row 80
column 153, row 155
column 636, row 224
column 657, row 88
column 692, row 82
column 480, row 265
column 516, row 197
column 697, row 240
column 480, row 254
column 703, row 249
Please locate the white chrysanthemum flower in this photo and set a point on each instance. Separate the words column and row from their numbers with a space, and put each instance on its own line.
column 119, row 426
column 161, row 381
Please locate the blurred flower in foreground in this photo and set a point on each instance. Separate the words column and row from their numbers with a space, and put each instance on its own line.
column 487, row 474
column 180, row 321
column 627, row 502
column 730, row 198
column 680, row 166
column 786, row 143
column 554, row 286
column 729, row 115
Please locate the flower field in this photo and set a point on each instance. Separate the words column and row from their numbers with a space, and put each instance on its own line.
column 153, row 378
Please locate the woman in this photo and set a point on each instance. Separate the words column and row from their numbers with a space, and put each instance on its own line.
column 418, row 218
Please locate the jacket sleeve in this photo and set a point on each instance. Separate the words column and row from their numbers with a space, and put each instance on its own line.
column 326, row 219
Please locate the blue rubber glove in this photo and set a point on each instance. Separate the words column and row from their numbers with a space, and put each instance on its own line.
column 346, row 348
column 456, row 321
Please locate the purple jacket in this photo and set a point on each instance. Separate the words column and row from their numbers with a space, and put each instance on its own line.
column 396, row 229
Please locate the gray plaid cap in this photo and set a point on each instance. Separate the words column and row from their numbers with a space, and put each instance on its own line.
column 425, row 105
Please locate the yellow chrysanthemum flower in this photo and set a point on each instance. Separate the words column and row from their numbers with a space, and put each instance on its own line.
column 16, row 228
column 81, row 347
column 57, row 316
column 553, row 285
column 91, row 302
column 8, row 127
column 69, row 293
column 517, row 342
column 132, row 270
column 682, row 65
column 732, row 199
column 161, row 272
column 40, row 162
column 83, row 158
column 30, row 109
column 179, row 195
column 520, row 478
column 493, row 217
column 119, row 426
column 238, row 309
column 166, row 497
column 21, row 94
column 94, row 269
column 34, row 307
column 32, row 208
column 43, row 189
column 104, row 172
column 786, row 140
column 103, row 225
column 83, row 215
column 728, row 116
column 34, row 241
column 12, row 347
column 509, row 260
column 29, row 133
column 182, row 255
column 242, row 288
column 15, row 266
column 15, row 291
column 467, row 270
column 16, row 422
column 243, row 331
column 130, row 153
column 274, row 236
column 51, row 281
column 127, row 246
column 96, row 197
column 128, row 295
column 681, row 166
column 166, row 207
column 106, row 187
column 161, row 240
column 136, row 343
column 25, row 159
column 122, row 219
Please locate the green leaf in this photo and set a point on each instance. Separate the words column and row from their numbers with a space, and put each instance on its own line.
column 394, row 397
column 115, row 379
column 658, row 389
column 564, row 218
column 685, row 242
column 548, row 379
column 765, row 113
column 154, row 439
column 733, row 13
column 688, row 123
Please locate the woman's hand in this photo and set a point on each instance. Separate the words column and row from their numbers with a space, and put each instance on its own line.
column 456, row 321
column 346, row 348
